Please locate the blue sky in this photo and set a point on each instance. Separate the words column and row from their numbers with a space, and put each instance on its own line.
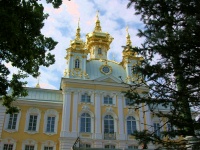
column 62, row 23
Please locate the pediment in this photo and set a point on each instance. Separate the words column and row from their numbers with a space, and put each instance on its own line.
column 108, row 79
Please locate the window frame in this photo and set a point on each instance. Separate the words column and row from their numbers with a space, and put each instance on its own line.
column 85, row 123
column 157, row 131
column 48, row 143
column 32, row 123
column 85, row 145
column 8, row 148
column 9, row 141
column 6, row 123
column 35, row 112
column 77, row 63
column 131, row 120
column 29, row 147
column 110, row 146
column 132, row 147
column 51, row 113
column 29, row 142
column 99, row 51
column 108, row 99
column 85, row 98
column 109, row 124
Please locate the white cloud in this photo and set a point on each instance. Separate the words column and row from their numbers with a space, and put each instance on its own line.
column 62, row 23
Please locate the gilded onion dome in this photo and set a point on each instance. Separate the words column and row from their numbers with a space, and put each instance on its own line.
column 97, row 37
column 128, row 51
column 77, row 43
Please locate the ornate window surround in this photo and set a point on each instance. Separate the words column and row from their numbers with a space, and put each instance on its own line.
column 29, row 142
column 133, row 114
column 113, row 96
column 51, row 113
column 32, row 111
column 86, row 96
column 48, row 143
column 7, row 121
column 77, row 63
column 131, row 124
column 8, row 141
column 85, row 117
column 109, row 111
column 86, row 109
column 89, row 93
column 156, row 120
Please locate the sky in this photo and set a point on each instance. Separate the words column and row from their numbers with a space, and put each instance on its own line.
column 62, row 23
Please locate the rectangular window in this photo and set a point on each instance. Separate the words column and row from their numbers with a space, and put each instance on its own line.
column 132, row 147
column 110, row 146
column 85, row 98
column 169, row 128
column 48, row 148
column 108, row 100
column 8, row 147
column 50, row 124
column 85, row 146
column 156, row 128
column 128, row 102
column 32, row 123
column 29, row 147
column 12, row 121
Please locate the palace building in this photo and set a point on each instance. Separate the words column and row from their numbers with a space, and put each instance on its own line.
column 89, row 110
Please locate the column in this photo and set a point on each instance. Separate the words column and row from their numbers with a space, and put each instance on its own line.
column 75, row 111
column 66, row 113
column 121, row 117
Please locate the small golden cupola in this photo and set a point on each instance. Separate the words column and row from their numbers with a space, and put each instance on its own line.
column 77, row 43
column 129, row 58
column 98, row 42
column 76, row 57
column 128, row 52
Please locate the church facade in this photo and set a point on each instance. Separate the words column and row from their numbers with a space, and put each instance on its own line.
column 88, row 111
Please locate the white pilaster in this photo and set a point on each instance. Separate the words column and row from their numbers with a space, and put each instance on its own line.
column 2, row 116
column 98, row 134
column 84, row 65
column 74, row 119
column 66, row 113
column 121, row 118
column 141, row 114
column 148, row 119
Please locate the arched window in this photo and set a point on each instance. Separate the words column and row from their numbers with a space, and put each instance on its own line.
column 85, row 122
column 131, row 125
column 108, row 124
column 99, row 51
column 77, row 63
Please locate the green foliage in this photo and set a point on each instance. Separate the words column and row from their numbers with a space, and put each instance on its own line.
column 171, row 65
column 22, row 45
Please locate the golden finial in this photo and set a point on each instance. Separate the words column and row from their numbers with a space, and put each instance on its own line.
column 38, row 84
column 78, row 35
column 97, row 16
column 113, row 56
column 128, row 39
column 98, row 26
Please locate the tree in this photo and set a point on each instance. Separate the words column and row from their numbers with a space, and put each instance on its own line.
column 22, row 45
column 171, row 67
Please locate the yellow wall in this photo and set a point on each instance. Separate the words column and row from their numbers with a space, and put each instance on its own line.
column 40, row 137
